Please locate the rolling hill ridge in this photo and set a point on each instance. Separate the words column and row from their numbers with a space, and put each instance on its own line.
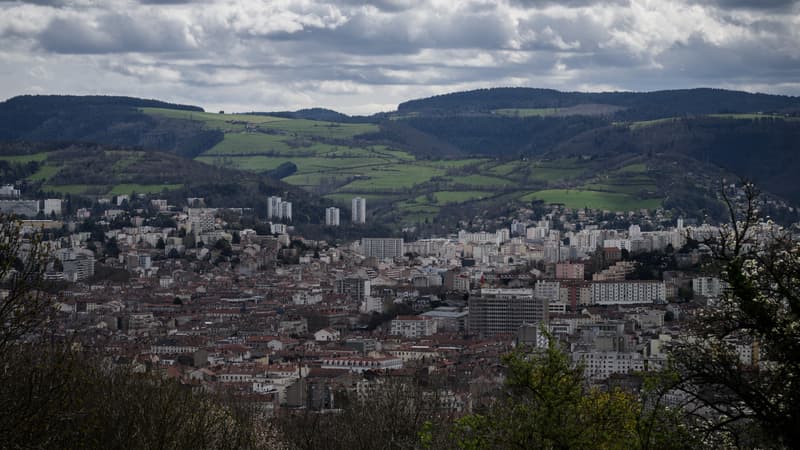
column 456, row 155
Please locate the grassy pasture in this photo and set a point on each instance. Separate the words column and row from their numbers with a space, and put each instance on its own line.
column 38, row 157
column 142, row 188
column 446, row 197
column 577, row 198
column 44, row 173
column 480, row 181
column 74, row 188
column 244, row 143
column 526, row 112
column 393, row 176
column 754, row 116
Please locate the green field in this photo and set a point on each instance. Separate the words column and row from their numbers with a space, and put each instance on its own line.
column 39, row 157
column 526, row 112
column 331, row 159
column 447, row 197
column 240, row 122
column 74, row 188
column 244, row 143
column 393, row 176
column 554, row 173
column 346, row 198
column 213, row 120
column 44, row 173
column 142, row 188
column 754, row 116
column 480, row 181
column 649, row 123
column 575, row 198
column 318, row 129
column 621, row 188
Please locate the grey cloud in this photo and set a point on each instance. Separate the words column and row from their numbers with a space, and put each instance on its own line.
column 751, row 4
column 39, row 2
column 115, row 33
column 567, row 3
column 167, row 2
column 751, row 61
column 406, row 33
column 383, row 5
column 387, row 53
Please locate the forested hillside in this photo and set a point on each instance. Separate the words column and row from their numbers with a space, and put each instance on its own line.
column 637, row 106
column 435, row 160
column 106, row 120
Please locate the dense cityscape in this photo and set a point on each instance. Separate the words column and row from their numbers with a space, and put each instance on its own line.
column 290, row 322
column 456, row 225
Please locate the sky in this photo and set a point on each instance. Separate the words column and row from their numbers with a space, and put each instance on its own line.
column 364, row 57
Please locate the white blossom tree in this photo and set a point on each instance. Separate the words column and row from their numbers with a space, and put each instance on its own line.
column 740, row 363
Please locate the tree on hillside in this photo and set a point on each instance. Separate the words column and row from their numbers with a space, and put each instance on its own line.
column 54, row 395
column 748, row 401
column 22, row 262
column 386, row 413
column 546, row 404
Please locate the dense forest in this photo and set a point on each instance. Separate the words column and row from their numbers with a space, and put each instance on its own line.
column 637, row 106
column 105, row 120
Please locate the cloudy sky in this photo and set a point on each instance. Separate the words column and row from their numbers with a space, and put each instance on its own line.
column 359, row 57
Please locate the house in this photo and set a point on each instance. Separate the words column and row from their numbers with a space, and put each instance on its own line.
column 326, row 335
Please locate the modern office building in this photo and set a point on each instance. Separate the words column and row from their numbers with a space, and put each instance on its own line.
column 497, row 311
column 382, row 248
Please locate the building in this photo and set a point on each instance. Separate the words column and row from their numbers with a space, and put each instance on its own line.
column 548, row 289
column 496, row 311
column 708, row 287
column 599, row 365
column 569, row 271
column 355, row 288
column 327, row 335
column 413, row 326
column 52, row 206
column 202, row 220
column 448, row 319
column 332, row 217
column 628, row 292
column 159, row 204
column 8, row 191
column 27, row 208
column 285, row 210
column 359, row 210
column 273, row 207
column 78, row 264
column 382, row 248
column 360, row 365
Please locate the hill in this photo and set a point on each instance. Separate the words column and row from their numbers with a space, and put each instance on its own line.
column 628, row 105
column 451, row 157
column 94, row 170
column 117, row 121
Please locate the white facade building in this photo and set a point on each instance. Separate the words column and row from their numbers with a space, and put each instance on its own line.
column 382, row 248
column 628, row 292
column 52, row 206
column 286, row 210
column 601, row 365
column 332, row 217
column 273, row 207
column 413, row 326
column 359, row 210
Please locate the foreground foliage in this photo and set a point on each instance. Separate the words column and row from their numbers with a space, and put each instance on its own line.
column 748, row 403
column 546, row 405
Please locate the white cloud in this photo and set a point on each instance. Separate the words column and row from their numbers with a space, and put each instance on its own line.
column 286, row 54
